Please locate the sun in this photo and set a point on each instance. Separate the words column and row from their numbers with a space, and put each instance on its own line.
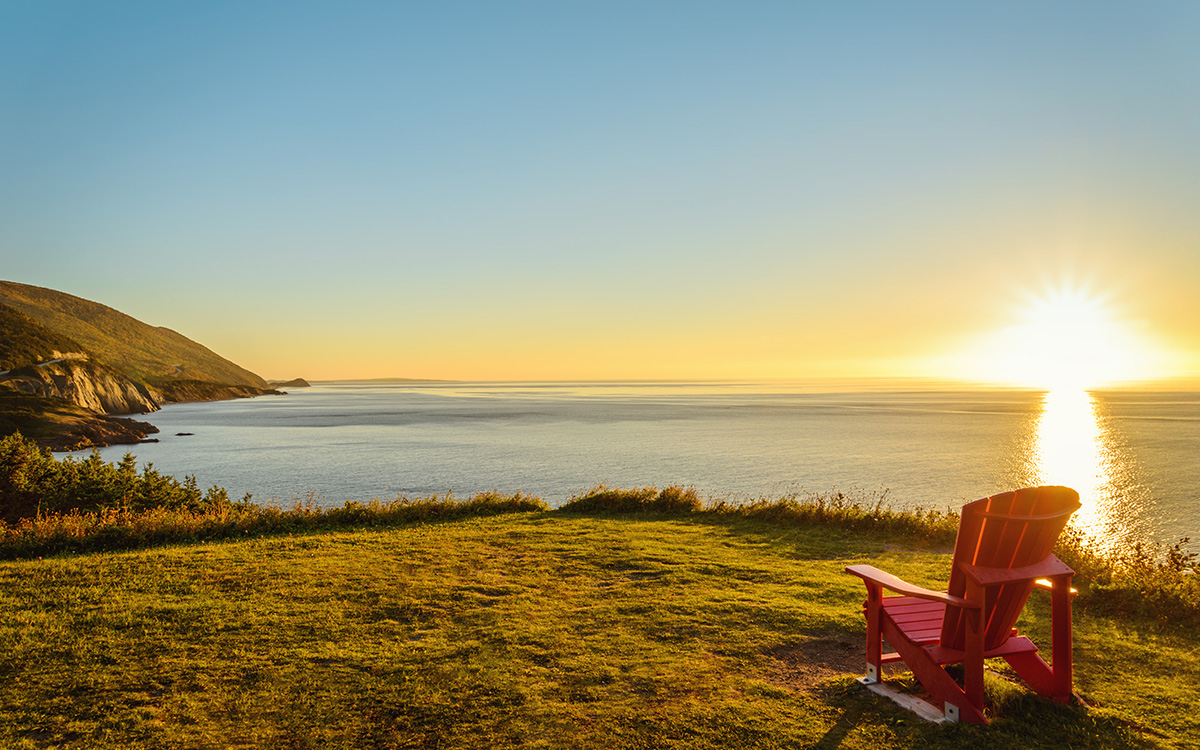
column 1066, row 338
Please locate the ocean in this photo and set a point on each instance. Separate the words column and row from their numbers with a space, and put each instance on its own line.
column 1131, row 454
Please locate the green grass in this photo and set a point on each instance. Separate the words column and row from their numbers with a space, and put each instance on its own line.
column 538, row 629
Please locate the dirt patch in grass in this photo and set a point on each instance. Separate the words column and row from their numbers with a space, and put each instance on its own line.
column 809, row 664
column 806, row 665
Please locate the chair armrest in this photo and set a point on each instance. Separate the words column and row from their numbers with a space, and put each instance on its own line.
column 985, row 576
column 871, row 574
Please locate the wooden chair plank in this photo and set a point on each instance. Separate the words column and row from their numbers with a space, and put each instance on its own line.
column 919, row 616
column 1019, row 645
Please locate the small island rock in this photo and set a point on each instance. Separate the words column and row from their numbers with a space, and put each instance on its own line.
column 296, row 383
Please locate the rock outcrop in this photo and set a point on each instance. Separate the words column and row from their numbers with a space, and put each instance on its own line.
column 63, row 426
column 98, row 432
column 295, row 383
column 88, row 384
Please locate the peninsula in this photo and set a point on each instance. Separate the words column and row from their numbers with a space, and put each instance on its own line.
column 71, row 369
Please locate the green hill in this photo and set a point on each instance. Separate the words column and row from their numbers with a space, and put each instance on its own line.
column 149, row 354
column 24, row 341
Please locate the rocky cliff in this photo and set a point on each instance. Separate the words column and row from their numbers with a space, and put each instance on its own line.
column 88, row 384
column 63, row 426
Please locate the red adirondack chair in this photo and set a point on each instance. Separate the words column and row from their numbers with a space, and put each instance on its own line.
column 1002, row 550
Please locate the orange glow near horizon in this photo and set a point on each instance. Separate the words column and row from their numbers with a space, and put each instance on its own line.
column 1064, row 339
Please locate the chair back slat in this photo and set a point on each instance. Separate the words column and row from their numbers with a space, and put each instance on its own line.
column 1009, row 530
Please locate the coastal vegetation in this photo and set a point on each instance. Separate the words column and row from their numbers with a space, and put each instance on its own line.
column 146, row 613
column 50, row 506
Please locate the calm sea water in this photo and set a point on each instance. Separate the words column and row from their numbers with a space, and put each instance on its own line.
column 1132, row 455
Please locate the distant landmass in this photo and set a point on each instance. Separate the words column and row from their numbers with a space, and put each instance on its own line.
column 387, row 380
column 68, row 365
column 294, row 383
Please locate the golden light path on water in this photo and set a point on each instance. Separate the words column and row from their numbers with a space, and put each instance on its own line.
column 1073, row 447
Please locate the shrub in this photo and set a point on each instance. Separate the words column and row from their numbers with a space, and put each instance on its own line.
column 861, row 511
column 49, row 506
column 122, row 528
column 32, row 483
column 602, row 499
column 1162, row 583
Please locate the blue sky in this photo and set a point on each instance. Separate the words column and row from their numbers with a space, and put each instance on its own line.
column 529, row 190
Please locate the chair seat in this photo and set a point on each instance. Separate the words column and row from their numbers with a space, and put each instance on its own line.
column 920, row 620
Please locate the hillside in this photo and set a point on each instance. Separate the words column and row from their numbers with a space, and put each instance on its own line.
column 24, row 341
column 145, row 353
column 67, row 364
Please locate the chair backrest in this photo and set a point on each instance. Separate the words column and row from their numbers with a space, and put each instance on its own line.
column 1009, row 530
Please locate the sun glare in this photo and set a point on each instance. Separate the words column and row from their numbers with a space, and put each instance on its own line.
column 1066, row 339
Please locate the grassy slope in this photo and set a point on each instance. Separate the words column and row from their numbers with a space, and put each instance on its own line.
column 143, row 352
column 533, row 630
column 24, row 341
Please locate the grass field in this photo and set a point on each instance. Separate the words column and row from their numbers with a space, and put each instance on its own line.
column 524, row 630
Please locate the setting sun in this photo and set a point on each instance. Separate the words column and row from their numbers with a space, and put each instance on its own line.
column 1066, row 338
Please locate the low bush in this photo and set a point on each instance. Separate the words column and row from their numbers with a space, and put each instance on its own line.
column 862, row 511
column 602, row 499
column 865, row 511
column 1146, row 580
column 120, row 528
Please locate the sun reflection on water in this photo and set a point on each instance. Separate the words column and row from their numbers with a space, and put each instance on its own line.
column 1070, row 450
column 1075, row 446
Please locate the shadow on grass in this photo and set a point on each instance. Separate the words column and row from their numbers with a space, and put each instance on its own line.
column 846, row 723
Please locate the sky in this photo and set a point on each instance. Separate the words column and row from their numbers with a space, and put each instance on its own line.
column 611, row 190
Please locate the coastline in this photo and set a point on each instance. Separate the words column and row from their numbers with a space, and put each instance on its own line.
column 61, row 426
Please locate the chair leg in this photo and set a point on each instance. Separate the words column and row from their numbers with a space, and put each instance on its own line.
column 941, row 686
column 1055, row 679
column 874, row 612
column 973, row 663
column 1061, row 638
